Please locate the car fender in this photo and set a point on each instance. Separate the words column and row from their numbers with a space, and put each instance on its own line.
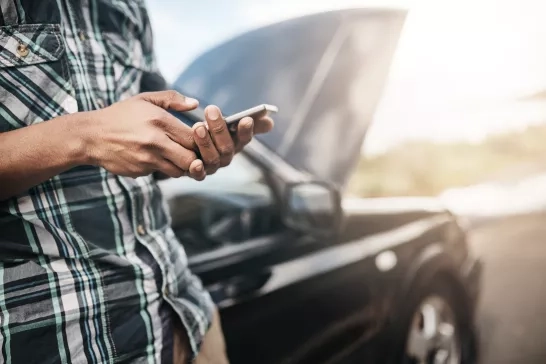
column 433, row 262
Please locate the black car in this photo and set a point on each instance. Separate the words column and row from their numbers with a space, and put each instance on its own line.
column 301, row 274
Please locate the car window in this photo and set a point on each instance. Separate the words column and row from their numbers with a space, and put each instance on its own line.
column 241, row 171
column 234, row 205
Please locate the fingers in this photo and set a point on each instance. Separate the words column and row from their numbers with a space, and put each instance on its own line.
column 244, row 133
column 177, row 154
column 197, row 170
column 176, row 130
column 216, row 145
column 263, row 125
column 184, row 160
column 209, row 155
column 169, row 169
column 172, row 126
column 220, row 134
column 170, row 100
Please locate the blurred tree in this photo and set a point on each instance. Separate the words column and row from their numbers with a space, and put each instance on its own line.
column 424, row 168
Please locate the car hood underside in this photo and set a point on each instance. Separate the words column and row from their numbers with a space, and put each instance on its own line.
column 325, row 72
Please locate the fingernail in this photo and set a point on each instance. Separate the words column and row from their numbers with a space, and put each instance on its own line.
column 201, row 132
column 199, row 167
column 213, row 112
column 191, row 101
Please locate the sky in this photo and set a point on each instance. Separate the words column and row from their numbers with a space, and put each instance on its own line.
column 459, row 68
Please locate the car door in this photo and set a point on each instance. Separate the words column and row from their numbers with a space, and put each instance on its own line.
column 305, row 312
column 330, row 305
column 265, row 277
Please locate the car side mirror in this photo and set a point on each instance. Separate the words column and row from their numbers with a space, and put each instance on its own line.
column 313, row 208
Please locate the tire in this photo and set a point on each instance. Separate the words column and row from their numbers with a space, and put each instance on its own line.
column 412, row 316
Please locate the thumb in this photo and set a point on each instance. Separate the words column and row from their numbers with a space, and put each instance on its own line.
column 169, row 100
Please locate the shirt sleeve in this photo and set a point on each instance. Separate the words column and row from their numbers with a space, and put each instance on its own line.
column 151, row 80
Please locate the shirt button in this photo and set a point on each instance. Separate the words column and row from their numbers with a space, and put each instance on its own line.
column 22, row 50
column 140, row 230
column 100, row 103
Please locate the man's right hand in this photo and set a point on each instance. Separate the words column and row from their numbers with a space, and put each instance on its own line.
column 137, row 137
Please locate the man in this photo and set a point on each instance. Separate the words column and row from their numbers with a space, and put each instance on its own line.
column 90, row 270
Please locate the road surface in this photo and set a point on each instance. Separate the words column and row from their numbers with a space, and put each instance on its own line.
column 512, row 310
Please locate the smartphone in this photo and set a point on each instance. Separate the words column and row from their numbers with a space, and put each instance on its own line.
column 233, row 120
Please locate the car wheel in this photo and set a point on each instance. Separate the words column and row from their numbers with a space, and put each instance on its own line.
column 436, row 327
column 433, row 335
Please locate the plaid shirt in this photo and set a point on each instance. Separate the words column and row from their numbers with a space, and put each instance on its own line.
column 90, row 269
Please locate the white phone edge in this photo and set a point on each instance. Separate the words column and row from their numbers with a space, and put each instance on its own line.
column 249, row 112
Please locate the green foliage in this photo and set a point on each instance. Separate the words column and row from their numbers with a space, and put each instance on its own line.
column 424, row 168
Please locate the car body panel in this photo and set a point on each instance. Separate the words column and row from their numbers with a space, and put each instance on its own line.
column 328, row 304
column 288, row 297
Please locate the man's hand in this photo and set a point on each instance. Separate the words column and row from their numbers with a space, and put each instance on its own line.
column 134, row 138
column 216, row 145
column 137, row 137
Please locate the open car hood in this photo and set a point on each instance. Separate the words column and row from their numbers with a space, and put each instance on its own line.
column 325, row 72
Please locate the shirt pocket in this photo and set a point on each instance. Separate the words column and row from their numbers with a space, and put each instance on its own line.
column 35, row 80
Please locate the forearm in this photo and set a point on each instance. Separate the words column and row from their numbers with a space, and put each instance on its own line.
column 32, row 155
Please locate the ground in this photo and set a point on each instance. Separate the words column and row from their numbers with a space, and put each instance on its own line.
column 512, row 309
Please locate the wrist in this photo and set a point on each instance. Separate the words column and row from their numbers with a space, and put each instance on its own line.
column 75, row 138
